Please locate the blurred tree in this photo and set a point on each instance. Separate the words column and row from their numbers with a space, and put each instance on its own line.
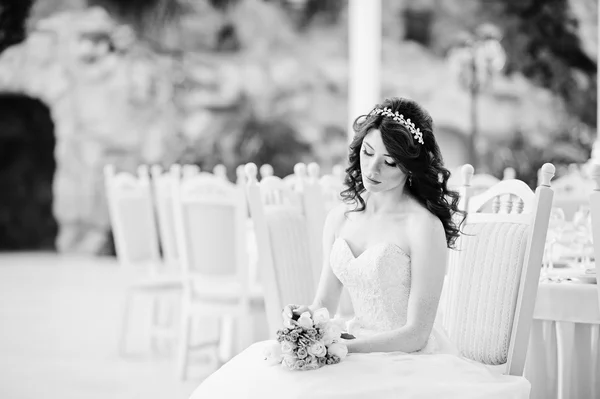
column 13, row 18
column 274, row 142
column 142, row 13
column 542, row 41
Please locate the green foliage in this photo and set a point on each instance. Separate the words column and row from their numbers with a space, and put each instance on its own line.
column 522, row 153
column 143, row 15
column 13, row 17
column 275, row 142
column 542, row 42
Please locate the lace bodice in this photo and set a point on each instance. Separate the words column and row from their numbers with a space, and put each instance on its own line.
column 378, row 281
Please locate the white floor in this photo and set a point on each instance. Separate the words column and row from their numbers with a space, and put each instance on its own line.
column 60, row 319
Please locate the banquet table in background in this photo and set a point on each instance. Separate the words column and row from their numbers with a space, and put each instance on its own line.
column 563, row 360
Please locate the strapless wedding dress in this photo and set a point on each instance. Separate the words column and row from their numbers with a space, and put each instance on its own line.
column 378, row 281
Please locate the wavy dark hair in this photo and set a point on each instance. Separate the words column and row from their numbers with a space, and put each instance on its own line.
column 421, row 161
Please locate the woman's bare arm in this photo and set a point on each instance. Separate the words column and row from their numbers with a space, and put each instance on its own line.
column 428, row 265
column 330, row 287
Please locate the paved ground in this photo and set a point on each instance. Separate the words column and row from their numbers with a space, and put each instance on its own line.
column 59, row 327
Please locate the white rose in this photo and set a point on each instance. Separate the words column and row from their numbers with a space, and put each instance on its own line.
column 317, row 349
column 305, row 320
column 321, row 316
column 289, row 361
column 287, row 347
column 339, row 350
column 311, row 364
column 332, row 333
column 272, row 353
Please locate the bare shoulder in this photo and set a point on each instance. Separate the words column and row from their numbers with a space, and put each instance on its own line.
column 336, row 218
column 425, row 226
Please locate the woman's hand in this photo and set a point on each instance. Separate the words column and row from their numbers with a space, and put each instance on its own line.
column 302, row 309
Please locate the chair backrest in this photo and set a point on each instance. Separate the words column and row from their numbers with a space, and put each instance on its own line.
column 220, row 171
column 493, row 274
column 240, row 176
column 132, row 218
column 210, row 221
column 284, row 255
column 189, row 170
column 331, row 187
column 162, row 184
column 595, row 215
column 266, row 170
column 296, row 179
column 479, row 182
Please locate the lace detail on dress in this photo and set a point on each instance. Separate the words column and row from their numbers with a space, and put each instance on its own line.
column 378, row 281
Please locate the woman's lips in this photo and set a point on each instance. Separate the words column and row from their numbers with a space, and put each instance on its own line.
column 372, row 181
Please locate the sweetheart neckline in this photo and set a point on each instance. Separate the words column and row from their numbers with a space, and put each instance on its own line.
column 384, row 243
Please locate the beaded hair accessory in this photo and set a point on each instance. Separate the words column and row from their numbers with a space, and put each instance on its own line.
column 417, row 134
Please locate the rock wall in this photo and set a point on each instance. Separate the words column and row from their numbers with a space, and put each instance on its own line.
column 110, row 101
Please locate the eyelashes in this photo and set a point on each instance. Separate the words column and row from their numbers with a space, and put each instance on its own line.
column 392, row 165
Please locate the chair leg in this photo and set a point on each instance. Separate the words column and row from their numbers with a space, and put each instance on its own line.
column 184, row 344
column 125, row 323
column 226, row 339
column 155, row 324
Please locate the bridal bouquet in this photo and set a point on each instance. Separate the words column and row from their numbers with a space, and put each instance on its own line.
column 306, row 341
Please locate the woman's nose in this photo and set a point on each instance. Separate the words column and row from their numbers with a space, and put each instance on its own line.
column 373, row 168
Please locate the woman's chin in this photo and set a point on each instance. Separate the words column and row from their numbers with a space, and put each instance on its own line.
column 372, row 188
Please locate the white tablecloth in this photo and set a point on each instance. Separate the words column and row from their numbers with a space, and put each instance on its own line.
column 563, row 360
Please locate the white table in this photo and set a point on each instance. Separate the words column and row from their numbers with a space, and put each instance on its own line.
column 563, row 359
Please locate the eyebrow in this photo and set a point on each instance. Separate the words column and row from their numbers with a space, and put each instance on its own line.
column 372, row 149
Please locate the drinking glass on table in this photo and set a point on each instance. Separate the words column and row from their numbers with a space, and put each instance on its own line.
column 582, row 225
column 556, row 226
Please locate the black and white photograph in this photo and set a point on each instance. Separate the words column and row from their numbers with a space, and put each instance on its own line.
column 299, row 199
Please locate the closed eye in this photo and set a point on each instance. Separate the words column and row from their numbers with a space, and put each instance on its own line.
column 393, row 165
column 366, row 153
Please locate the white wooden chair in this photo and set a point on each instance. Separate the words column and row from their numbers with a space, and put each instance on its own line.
column 162, row 188
column 220, row 171
column 162, row 191
column 210, row 220
column 266, row 170
column 284, row 248
column 136, row 240
column 595, row 214
column 479, row 182
column 493, row 274
column 331, row 186
column 296, row 179
column 189, row 170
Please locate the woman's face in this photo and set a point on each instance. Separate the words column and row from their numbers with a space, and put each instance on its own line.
column 379, row 171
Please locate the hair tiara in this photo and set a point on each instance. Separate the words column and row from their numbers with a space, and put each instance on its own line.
column 417, row 134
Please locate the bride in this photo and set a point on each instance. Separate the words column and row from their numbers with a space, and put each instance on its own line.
column 387, row 244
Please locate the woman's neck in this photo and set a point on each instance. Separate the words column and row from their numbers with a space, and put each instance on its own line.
column 386, row 202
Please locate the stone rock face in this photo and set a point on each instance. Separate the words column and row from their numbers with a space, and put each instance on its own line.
column 110, row 103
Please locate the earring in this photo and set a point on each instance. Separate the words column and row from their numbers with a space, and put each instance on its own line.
column 410, row 180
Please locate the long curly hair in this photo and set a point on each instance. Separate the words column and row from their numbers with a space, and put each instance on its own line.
column 423, row 162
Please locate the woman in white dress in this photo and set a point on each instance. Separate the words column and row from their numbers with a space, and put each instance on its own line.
column 387, row 244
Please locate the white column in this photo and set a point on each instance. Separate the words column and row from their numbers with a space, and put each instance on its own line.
column 597, row 143
column 364, row 77
column 595, row 156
